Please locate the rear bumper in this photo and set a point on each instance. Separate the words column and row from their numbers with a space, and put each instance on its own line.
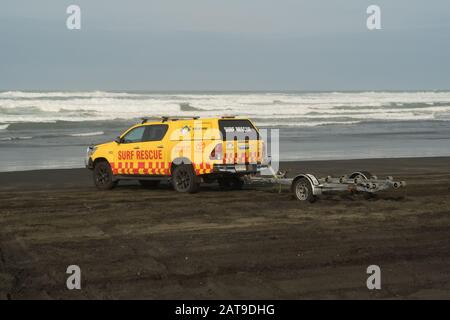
column 238, row 168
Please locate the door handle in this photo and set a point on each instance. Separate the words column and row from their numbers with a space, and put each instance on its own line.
column 160, row 147
column 136, row 148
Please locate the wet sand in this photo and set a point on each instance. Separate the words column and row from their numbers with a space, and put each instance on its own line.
column 157, row 244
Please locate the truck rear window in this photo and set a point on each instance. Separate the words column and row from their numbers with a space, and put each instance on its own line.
column 238, row 129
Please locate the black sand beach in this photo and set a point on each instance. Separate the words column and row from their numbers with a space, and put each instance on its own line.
column 156, row 244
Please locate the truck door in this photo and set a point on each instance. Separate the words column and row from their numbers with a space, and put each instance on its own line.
column 152, row 156
column 125, row 155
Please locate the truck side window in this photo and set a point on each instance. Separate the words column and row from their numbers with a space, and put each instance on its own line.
column 134, row 135
column 155, row 132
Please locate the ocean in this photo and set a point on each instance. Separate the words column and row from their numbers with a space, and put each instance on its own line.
column 41, row 130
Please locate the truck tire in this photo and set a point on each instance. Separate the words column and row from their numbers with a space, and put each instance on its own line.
column 237, row 183
column 103, row 176
column 224, row 184
column 303, row 190
column 149, row 183
column 184, row 179
column 230, row 183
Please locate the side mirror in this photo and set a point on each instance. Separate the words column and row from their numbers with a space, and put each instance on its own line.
column 118, row 140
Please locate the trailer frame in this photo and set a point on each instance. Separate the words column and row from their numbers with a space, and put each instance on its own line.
column 307, row 187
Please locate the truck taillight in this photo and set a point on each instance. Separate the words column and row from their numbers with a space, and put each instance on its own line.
column 216, row 153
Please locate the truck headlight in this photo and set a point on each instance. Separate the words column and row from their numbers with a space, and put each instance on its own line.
column 90, row 150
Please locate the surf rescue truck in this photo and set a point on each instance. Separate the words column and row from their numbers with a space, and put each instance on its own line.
column 189, row 151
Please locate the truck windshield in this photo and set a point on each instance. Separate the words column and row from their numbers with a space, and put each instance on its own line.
column 238, row 130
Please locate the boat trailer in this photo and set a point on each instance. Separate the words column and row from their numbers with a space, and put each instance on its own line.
column 307, row 187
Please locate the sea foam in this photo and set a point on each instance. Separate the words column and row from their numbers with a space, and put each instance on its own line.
column 289, row 109
column 87, row 134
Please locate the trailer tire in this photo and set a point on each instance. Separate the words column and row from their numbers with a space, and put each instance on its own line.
column 366, row 175
column 303, row 190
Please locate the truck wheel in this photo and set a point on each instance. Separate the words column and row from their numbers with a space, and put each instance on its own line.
column 303, row 190
column 224, row 183
column 103, row 176
column 237, row 183
column 230, row 183
column 184, row 179
column 149, row 183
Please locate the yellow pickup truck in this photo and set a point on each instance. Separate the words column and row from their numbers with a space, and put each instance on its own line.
column 185, row 151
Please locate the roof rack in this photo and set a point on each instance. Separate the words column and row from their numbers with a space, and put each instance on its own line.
column 227, row 117
column 167, row 118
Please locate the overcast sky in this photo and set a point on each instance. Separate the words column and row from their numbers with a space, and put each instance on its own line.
column 224, row 45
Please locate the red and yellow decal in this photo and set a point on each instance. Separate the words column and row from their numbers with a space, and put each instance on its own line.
column 154, row 168
column 203, row 168
column 144, row 167
column 243, row 157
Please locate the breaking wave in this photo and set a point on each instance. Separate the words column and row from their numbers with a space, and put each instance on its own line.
column 87, row 134
column 45, row 135
column 270, row 109
column 15, row 138
column 185, row 106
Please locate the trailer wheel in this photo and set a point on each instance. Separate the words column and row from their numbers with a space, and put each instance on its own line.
column 365, row 175
column 303, row 190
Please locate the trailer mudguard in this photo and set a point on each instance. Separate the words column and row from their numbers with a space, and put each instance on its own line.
column 312, row 180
